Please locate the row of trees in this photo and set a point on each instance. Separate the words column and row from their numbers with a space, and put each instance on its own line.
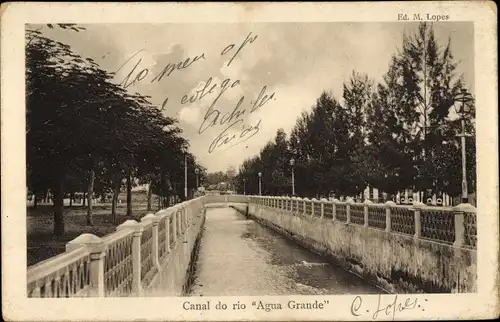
column 396, row 135
column 85, row 133
column 221, row 180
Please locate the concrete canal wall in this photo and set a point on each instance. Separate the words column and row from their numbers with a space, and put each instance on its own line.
column 398, row 263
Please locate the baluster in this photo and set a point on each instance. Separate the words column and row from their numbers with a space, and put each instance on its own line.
column 36, row 291
column 48, row 289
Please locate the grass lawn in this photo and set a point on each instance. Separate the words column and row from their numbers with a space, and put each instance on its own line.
column 42, row 244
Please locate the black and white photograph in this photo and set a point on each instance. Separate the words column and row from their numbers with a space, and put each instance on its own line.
column 226, row 164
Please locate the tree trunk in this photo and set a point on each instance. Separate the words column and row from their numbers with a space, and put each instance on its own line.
column 71, row 196
column 35, row 200
column 150, row 193
column 114, row 201
column 59, row 205
column 129, row 196
column 90, row 198
column 84, row 199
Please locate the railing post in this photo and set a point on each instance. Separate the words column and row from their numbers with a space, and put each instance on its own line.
column 348, row 210
column 459, row 212
column 179, row 221
column 185, row 217
column 388, row 205
column 167, row 233
column 305, row 206
column 417, row 208
column 313, row 202
column 154, row 228
column 334, row 209
column 366, row 209
column 174, row 225
column 323, row 200
column 189, row 211
column 97, row 249
column 136, row 254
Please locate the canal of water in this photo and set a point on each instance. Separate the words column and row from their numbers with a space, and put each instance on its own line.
column 238, row 256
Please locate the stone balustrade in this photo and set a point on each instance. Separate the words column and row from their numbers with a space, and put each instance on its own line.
column 128, row 262
column 450, row 225
column 152, row 257
column 401, row 248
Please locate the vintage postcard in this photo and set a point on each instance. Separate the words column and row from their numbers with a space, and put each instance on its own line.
column 249, row 161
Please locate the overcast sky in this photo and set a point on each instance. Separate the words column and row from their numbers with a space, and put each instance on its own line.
column 296, row 61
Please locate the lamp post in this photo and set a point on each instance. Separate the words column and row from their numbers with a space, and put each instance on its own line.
column 244, row 186
column 464, row 97
column 292, row 163
column 185, row 177
column 197, row 172
column 260, row 183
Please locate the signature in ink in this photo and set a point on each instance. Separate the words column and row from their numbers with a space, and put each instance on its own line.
column 137, row 74
column 224, row 138
column 390, row 309
column 214, row 116
column 229, row 48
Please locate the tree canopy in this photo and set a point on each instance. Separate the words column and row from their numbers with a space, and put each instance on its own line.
column 394, row 135
column 85, row 133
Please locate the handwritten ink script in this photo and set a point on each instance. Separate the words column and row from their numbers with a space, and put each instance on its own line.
column 222, row 113
column 139, row 74
column 389, row 307
column 233, row 121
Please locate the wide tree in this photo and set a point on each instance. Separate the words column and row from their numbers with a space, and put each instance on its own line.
column 83, row 127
